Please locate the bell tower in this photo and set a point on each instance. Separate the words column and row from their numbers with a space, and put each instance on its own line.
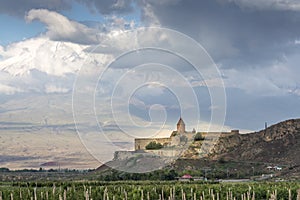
column 180, row 126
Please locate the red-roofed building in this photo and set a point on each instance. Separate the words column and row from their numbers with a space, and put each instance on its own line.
column 185, row 177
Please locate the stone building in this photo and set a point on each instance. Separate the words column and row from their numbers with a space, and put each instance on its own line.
column 174, row 139
column 173, row 146
column 181, row 126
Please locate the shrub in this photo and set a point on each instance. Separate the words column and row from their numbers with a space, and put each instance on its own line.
column 153, row 145
column 198, row 137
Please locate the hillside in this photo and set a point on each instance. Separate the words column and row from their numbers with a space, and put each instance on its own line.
column 251, row 153
column 278, row 143
column 237, row 155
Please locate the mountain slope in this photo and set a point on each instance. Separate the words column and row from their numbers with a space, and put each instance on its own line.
column 278, row 143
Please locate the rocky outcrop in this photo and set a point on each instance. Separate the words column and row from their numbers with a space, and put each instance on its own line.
column 276, row 144
column 282, row 131
column 279, row 143
column 225, row 144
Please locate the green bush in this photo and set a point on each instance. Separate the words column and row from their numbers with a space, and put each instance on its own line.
column 153, row 145
column 198, row 137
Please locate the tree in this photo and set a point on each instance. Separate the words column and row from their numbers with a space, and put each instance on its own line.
column 4, row 169
column 153, row 145
column 198, row 137
column 169, row 175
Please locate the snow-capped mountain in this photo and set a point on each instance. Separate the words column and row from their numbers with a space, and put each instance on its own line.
column 42, row 65
column 51, row 57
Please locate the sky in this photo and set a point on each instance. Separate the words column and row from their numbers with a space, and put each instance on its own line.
column 87, row 66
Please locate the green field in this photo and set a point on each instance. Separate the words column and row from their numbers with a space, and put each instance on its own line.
column 144, row 190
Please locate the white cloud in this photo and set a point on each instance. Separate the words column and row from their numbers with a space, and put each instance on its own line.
column 15, row 8
column 213, row 43
column 295, row 91
column 137, row 102
column 214, row 82
column 56, row 89
column 276, row 80
column 269, row 4
column 119, row 23
column 8, row 90
column 149, row 16
column 61, row 28
column 107, row 7
column 164, row 2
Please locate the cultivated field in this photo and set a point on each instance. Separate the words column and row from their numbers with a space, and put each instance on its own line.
column 149, row 190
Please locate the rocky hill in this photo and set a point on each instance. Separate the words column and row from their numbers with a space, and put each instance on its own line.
column 251, row 153
column 234, row 155
column 278, row 143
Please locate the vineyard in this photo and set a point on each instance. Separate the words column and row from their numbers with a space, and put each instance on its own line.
column 149, row 190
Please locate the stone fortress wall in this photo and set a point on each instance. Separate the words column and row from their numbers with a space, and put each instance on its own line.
column 173, row 140
column 141, row 143
column 172, row 145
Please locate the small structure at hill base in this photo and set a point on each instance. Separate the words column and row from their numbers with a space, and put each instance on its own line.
column 185, row 177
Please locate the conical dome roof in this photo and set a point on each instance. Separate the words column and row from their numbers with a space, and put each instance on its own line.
column 180, row 122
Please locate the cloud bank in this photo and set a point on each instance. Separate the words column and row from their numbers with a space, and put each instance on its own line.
column 293, row 5
column 253, row 43
column 60, row 28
